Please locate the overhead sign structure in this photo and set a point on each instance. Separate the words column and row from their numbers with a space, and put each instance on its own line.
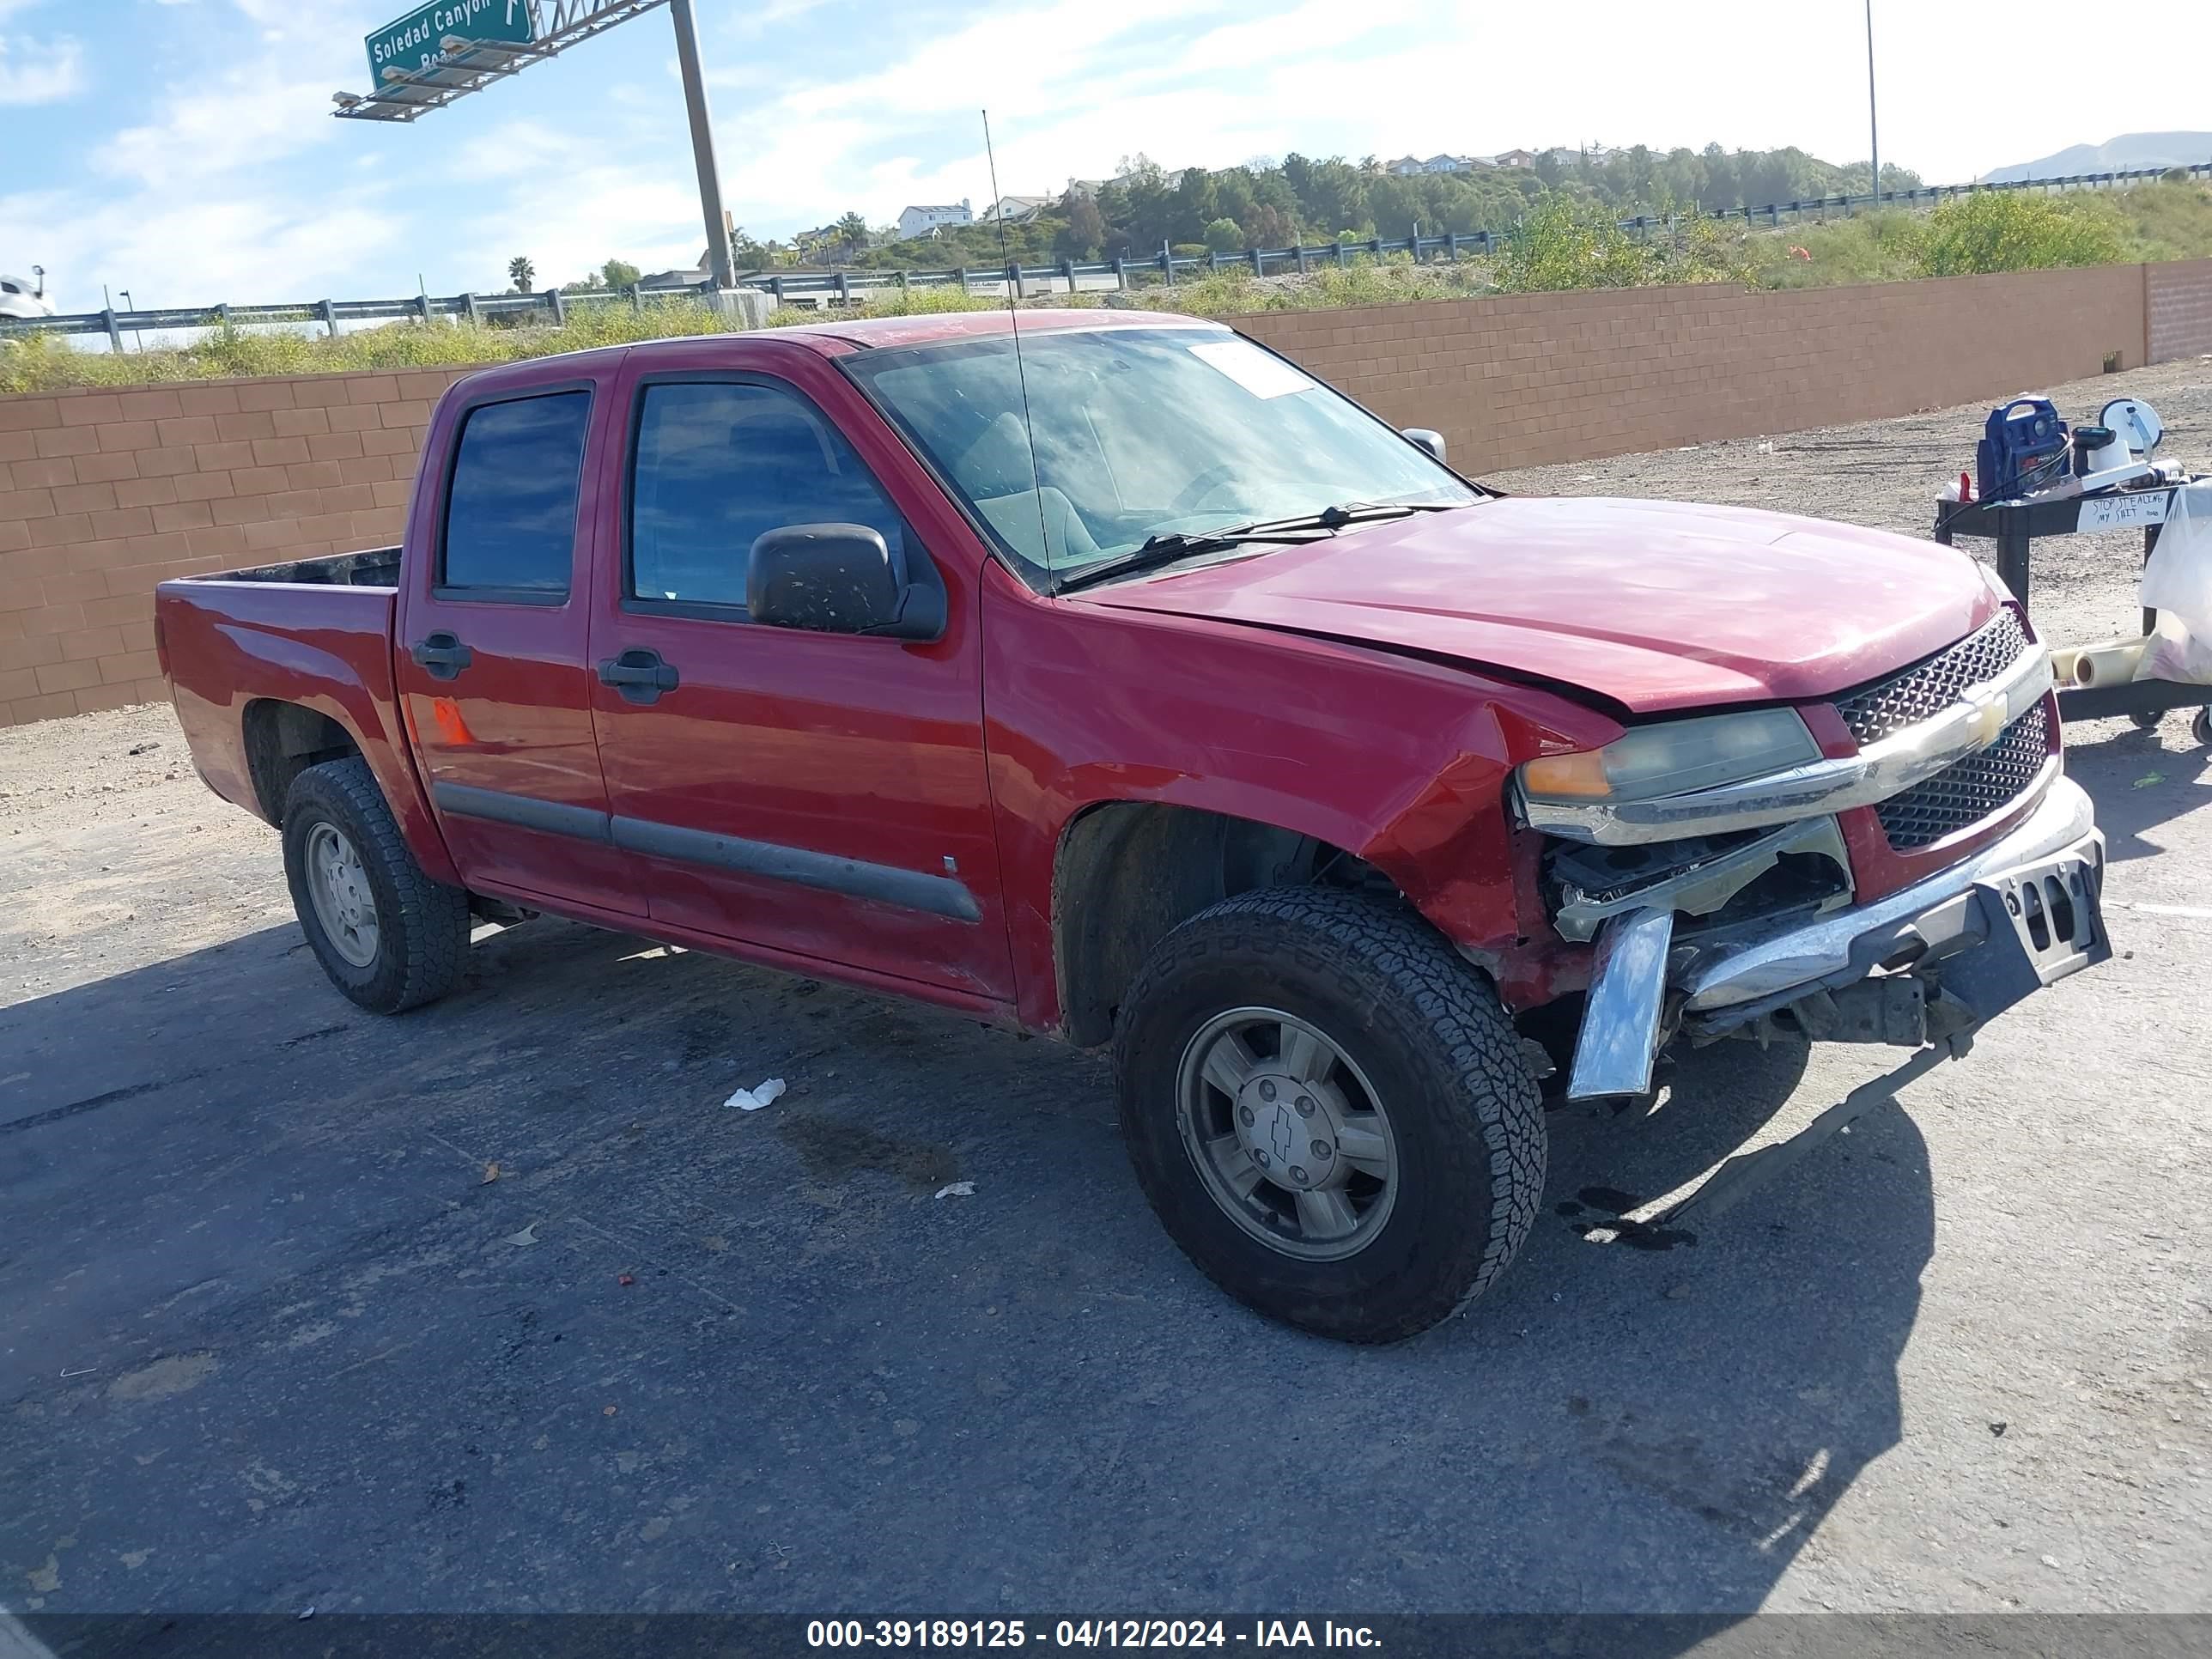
column 412, row 42
column 443, row 51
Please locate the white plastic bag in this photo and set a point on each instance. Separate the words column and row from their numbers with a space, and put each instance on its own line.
column 760, row 1095
column 2177, row 584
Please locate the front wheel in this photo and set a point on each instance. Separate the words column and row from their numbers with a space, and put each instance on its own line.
column 1330, row 1112
column 388, row 936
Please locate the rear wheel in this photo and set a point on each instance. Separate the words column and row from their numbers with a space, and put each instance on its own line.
column 1330, row 1112
column 388, row 936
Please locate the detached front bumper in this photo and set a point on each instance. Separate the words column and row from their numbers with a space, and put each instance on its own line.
column 1970, row 941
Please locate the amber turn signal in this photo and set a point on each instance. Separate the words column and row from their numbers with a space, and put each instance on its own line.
column 1580, row 776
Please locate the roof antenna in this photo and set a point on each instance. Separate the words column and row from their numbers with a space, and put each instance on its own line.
column 1014, row 324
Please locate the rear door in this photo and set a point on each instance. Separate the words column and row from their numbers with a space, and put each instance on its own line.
column 491, row 650
column 814, row 794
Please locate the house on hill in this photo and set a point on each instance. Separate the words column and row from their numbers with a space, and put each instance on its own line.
column 1407, row 167
column 1015, row 209
column 916, row 221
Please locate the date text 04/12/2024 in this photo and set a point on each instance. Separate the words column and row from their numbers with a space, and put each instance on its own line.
column 1086, row 1633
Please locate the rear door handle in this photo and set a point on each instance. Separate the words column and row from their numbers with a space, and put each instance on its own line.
column 639, row 674
column 441, row 656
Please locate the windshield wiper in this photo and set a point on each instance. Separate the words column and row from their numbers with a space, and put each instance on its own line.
column 1158, row 551
column 1342, row 514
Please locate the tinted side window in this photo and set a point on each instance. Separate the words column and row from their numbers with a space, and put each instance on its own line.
column 510, row 514
column 717, row 465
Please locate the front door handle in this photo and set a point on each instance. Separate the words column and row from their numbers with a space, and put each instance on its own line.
column 441, row 656
column 639, row 674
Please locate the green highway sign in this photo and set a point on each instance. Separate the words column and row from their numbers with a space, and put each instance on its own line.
column 411, row 42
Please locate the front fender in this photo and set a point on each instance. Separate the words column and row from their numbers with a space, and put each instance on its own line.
column 1402, row 761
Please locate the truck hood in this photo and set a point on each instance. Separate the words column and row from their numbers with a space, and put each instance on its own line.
column 1652, row 605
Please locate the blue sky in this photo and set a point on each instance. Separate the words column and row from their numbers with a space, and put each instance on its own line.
column 184, row 149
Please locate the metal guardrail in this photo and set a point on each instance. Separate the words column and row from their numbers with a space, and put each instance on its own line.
column 329, row 314
column 850, row 285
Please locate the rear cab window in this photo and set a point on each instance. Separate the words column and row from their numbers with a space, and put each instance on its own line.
column 509, row 533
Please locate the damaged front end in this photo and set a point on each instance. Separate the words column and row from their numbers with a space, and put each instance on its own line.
column 1706, row 860
column 1632, row 899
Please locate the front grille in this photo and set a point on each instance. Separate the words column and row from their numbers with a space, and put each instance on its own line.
column 1931, row 685
column 1967, row 791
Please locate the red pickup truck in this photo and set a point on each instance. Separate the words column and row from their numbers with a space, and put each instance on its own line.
column 1118, row 681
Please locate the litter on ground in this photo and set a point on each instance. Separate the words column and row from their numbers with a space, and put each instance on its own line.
column 760, row 1095
column 957, row 1189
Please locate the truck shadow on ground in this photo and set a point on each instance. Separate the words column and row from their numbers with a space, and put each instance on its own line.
column 283, row 1336
column 2137, row 781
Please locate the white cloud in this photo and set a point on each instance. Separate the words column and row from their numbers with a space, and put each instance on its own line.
column 268, row 109
column 244, row 120
column 40, row 72
column 243, row 246
column 567, row 205
column 1074, row 88
column 193, row 204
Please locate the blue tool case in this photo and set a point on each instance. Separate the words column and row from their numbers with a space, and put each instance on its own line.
column 2025, row 445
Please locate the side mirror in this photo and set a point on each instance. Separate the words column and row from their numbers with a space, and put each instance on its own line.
column 1433, row 441
column 838, row 579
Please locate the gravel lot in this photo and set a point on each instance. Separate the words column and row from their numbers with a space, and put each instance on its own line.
column 275, row 1340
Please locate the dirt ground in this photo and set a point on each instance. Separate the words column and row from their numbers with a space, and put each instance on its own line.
column 274, row 1340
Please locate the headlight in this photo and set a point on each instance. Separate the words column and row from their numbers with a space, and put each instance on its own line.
column 1675, row 758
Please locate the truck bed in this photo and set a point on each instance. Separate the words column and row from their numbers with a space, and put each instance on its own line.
column 314, row 634
column 378, row 567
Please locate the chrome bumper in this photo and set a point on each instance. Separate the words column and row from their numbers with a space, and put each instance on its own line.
column 1722, row 982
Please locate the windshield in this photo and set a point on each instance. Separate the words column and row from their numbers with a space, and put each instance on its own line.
column 1140, row 433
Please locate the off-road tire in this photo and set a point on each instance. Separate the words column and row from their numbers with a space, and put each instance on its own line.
column 1431, row 1033
column 423, row 924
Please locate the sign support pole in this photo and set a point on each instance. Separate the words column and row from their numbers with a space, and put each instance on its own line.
column 703, row 143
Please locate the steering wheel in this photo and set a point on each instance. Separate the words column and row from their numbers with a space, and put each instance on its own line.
column 1200, row 489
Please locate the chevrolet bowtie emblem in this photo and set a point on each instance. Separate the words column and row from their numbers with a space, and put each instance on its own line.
column 1989, row 718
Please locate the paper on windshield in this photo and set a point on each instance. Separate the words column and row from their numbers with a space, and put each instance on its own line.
column 1258, row 372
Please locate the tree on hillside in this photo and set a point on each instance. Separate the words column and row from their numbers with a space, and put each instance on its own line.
column 521, row 273
column 747, row 253
column 1224, row 235
column 1086, row 236
column 1335, row 197
column 1194, row 206
column 619, row 274
column 852, row 231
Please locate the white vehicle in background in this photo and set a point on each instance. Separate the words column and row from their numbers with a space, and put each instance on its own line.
column 20, row 297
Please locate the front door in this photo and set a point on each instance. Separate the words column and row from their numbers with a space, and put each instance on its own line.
column 492, row 639
column 817, row 794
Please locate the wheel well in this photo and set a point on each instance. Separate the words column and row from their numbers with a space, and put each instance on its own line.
column 283, row 739
column 1128, row 872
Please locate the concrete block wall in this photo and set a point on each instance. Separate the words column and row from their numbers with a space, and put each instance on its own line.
column 2177, row 296
column 105, row 493
column 1531, row 380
